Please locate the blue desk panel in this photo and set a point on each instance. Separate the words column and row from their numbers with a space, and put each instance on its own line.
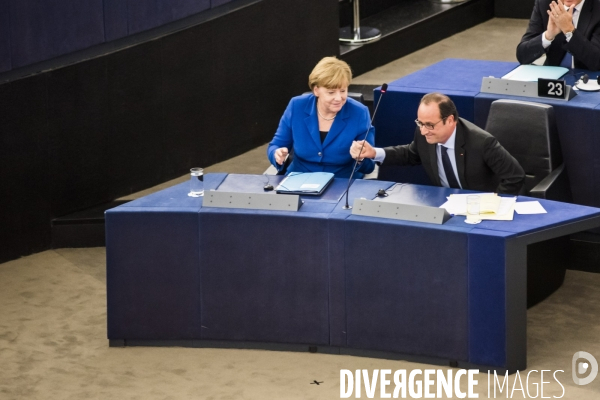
column 407, row 287
column 152, row 274
column 322, row 276
column 265, row 276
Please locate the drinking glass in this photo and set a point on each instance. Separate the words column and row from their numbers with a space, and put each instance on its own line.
column 196, row 182
column 473, row 208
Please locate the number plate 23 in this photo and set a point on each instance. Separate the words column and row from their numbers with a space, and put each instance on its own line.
column 555, row 89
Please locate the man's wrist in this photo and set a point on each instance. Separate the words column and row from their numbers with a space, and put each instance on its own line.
column 569, row 34
column 570, row 29
column 545, row 41
column 379, row 154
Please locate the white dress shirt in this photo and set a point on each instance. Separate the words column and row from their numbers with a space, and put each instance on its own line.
column 380, row 156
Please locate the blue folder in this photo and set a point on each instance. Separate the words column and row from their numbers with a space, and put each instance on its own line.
column 305, row 183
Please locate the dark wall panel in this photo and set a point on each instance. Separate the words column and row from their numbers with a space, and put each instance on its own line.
column 147, row 14
column 216, row 3
column 25, row 181
column 32, row 30
column 96, row 130
column 191, row 95
column 5, row 64
column 246, row 121
column 115, row 19
column 310, row 45
column 136, row 137
column 78, row 129
column 41, row 30
column 513, row 8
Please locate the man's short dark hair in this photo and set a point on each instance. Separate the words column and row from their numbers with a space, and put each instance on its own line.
column 446, row 106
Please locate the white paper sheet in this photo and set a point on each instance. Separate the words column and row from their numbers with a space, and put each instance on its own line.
column 529, row 207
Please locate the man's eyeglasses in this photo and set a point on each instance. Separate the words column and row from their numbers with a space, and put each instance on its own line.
column 428, row 125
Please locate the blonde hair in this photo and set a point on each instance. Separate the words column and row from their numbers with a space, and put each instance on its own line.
column 330, row 73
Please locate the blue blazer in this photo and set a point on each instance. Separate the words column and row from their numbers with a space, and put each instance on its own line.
column 299, row 129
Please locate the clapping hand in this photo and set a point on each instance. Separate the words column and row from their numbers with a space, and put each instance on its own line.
column 560, row 18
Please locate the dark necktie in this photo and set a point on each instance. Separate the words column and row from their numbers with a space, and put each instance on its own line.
column 450, row 177
column 567, row 60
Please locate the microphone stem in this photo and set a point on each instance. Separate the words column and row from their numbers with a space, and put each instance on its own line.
column 347, row 206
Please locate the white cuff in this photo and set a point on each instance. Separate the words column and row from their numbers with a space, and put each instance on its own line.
column 545, row 42
column 379, row 155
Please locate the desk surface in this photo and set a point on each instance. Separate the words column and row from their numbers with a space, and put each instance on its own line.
column 453, row 75
column 175, row 198
column 459, row 75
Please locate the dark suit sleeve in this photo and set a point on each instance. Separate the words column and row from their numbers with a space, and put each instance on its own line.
column 587, row 51
column 406, row 154
column 504, row 166
column 530, row 48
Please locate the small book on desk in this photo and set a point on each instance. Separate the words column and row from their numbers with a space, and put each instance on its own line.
column 531, row 73
column 305, row 183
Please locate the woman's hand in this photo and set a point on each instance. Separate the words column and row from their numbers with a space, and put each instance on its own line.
column 367, row 150
column 281, row 154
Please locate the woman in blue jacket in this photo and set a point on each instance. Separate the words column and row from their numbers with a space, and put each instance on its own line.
column 321, row 126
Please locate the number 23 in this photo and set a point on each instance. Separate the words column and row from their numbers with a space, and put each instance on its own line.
column 555, row 89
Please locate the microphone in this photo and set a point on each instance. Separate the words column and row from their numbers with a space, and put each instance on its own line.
column 383, row 90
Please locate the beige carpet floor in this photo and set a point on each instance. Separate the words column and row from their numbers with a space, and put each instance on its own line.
column 53, row 341
column 53, row 345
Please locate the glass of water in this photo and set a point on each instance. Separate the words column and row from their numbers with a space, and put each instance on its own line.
column 473, row 209
column 196, row 182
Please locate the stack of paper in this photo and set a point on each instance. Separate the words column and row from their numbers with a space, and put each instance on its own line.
column 492, row 206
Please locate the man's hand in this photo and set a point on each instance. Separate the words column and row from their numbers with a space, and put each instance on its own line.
column 552, row 30
column 280, row 155
column 561, row 18
column 367, row 150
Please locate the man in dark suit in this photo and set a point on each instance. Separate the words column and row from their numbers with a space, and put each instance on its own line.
column 570, row 38
column 454, row 152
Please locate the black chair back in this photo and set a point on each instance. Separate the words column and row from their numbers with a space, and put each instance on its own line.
column 528, row 132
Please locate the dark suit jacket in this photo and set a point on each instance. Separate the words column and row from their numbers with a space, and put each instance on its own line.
column 482, row 163
column 584, row 45
column 299, row 129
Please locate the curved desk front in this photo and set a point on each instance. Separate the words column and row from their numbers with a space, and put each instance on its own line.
column 324, row 279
